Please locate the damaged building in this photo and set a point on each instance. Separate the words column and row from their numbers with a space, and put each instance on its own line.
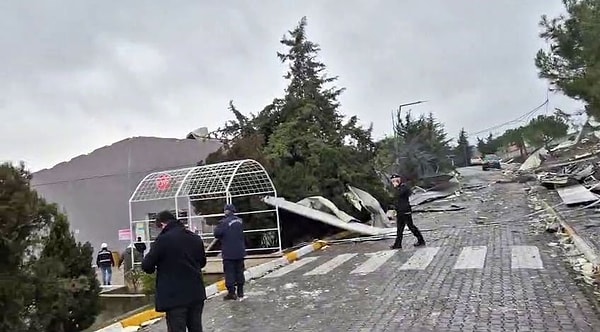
column 93, row 189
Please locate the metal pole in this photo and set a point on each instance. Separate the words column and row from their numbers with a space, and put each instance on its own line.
column 395, row 116
column 131, row 238
column 278, row 229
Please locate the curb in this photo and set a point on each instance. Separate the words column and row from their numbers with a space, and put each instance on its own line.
column 588, row 251
column 134, row 322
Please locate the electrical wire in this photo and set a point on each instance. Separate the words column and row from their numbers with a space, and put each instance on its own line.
column 521, row 118
column 146, row 171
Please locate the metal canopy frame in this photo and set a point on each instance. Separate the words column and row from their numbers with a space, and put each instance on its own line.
column 223, row 180
column 227, row 180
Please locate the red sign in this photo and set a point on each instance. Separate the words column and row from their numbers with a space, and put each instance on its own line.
column 163, row 182
column 124, row 234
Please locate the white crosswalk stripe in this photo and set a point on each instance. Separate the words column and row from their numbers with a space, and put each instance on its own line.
column 420, row 259
column 330, row 265
column 375, row 260
column 471, row 258
column 291, row 267
column 526, row 257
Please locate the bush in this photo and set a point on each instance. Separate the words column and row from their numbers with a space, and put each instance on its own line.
column 47, row 282
column 149, row 283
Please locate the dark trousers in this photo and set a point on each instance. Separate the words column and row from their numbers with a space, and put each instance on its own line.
column 405, row 219
column 234, row 275
column 180, row 318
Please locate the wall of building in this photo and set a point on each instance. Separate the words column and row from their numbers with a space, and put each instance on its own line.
column 94, row 189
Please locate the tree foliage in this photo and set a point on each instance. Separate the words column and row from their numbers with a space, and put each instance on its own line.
column 419, row 148
column 539, row 132
column 571, row 63
column 488, row 146
column 302, row 138
column 514, row 136
column 543, row 129
column 47, row 282
column 462, row 151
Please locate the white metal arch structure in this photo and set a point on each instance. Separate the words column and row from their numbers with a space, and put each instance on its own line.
column 221, row 181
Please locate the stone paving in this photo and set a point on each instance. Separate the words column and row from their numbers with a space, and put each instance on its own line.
column 432, row 293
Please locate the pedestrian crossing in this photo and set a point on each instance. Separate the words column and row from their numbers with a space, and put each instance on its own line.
column 469, row 258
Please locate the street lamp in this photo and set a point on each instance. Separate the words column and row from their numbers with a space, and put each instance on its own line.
column 395, row 117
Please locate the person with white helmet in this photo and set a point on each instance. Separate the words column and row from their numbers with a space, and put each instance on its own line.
column 105, row 262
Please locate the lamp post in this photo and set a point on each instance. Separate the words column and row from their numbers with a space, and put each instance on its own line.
column 395, row 115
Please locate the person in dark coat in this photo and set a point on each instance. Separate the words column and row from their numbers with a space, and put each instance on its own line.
column 404, row 213
column 230, row 231
column 177, row 255
column 140, row 246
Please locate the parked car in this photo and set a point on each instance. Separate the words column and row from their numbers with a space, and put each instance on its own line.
column 490, row 161
column 476, row 161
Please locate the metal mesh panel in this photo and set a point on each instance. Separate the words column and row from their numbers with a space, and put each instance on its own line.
column 160, row 185
column 250, row 179
column 233, row 179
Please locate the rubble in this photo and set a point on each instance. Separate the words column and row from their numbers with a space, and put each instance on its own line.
column 588, row 271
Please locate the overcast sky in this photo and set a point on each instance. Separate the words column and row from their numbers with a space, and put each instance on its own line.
column 76, row 75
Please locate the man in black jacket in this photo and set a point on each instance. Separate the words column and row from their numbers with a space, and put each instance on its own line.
column 230, row 231
column 404, row 213
column 178, row 257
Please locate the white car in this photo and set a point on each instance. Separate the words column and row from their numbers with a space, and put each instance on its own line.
column 476, row 161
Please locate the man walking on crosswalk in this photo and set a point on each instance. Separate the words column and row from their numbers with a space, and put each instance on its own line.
column 404, row 212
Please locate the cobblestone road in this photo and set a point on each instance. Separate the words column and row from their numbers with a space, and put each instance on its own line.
column 495, row 276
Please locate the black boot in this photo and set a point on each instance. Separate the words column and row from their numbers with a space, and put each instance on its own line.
column 230, row 294
column 240, row 291
column 420, row 243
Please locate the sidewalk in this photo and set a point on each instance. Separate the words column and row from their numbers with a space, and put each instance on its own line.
column 474, row 275
column 585, row 222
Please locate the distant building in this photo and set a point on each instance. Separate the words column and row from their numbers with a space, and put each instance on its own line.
column 94, row 189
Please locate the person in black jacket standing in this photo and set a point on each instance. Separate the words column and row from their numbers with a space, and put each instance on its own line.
column 177, row 255
column 230, row 231
column 404, row 213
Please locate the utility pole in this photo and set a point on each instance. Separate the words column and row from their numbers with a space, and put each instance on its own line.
column 395, row 115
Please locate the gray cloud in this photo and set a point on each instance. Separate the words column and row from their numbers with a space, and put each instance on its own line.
column 76, row 75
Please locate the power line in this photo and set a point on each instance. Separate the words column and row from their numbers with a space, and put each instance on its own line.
column 145, row 172
column 525, row 116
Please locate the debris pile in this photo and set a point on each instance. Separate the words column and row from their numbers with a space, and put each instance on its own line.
column 571, row 167
column 548, row 222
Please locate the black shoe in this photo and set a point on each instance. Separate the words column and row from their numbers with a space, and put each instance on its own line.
column 240, row 292
column 395, row 247
column 229, row 297
column 419, row 244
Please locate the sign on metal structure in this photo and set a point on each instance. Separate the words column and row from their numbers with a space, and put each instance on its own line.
column 163, row 182
column 124, row 234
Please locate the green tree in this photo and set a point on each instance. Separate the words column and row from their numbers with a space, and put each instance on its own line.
column 419, row 147
column 302, row 138
column 23, row 217
column 488, row 146
column 514, row 136
column 543, row 129
column 73, row 281
column 571, row 63
column 47, row 282
column 462, row 151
